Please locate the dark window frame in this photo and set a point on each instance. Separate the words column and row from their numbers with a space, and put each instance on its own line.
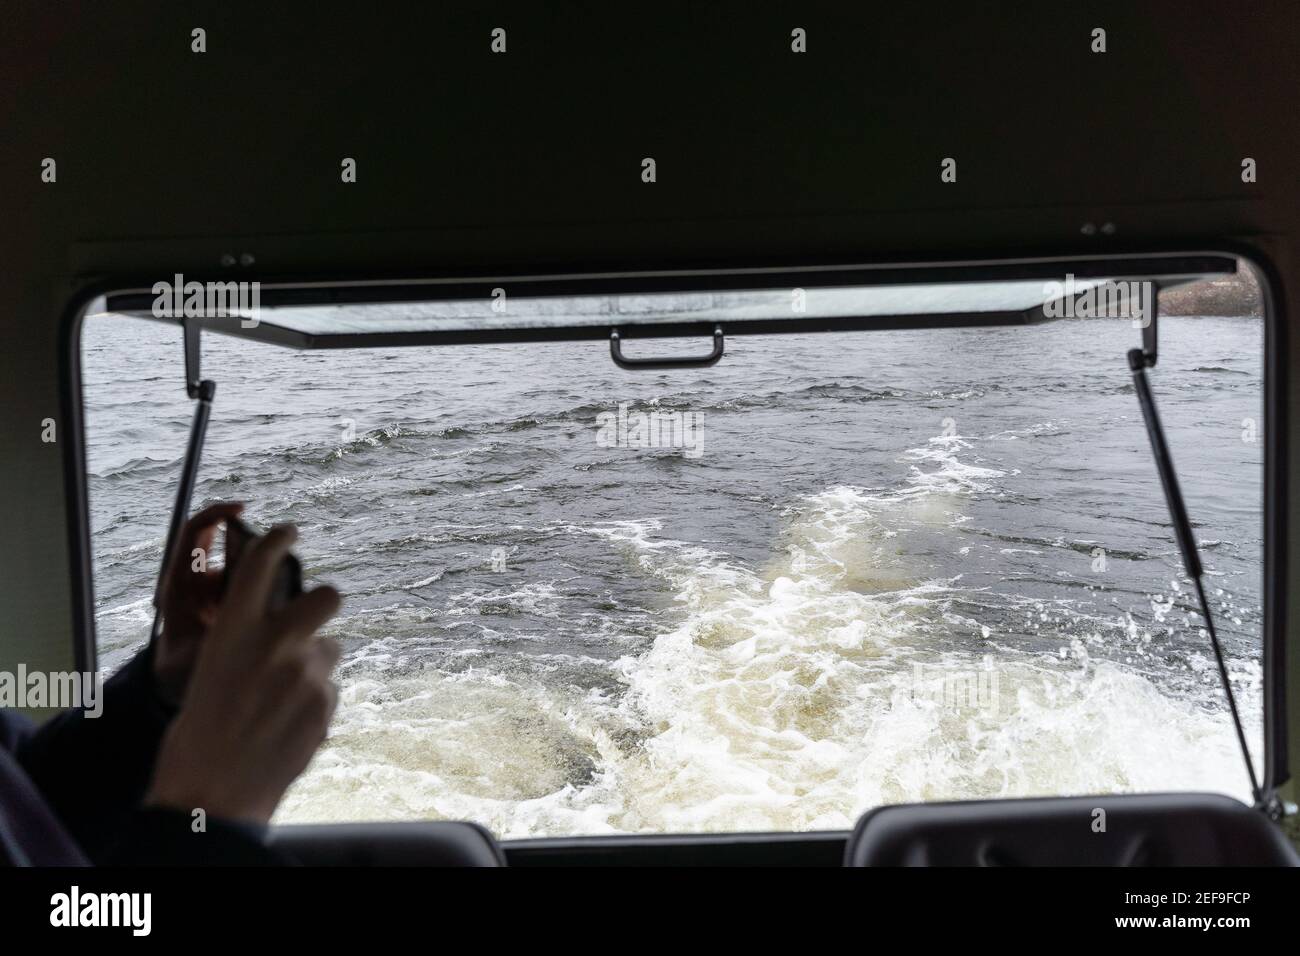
column 125, row 290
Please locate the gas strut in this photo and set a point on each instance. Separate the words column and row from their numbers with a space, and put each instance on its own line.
column 1139, row 360
column 203, row 391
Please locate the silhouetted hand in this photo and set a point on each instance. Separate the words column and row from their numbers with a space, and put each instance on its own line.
column 259, row 701
column 189, row 600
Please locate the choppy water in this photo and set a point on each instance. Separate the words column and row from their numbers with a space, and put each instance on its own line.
column 744, row 639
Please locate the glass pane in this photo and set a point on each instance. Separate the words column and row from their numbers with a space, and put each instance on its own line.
column 549, row 312
column 831, row 572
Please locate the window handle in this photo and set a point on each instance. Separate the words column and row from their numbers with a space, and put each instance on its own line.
column 684, row 361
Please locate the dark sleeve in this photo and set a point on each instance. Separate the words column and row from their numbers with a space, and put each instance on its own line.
column 159, row 836
column 15, row 729
column 94, row 771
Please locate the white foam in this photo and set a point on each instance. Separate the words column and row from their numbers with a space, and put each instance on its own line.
column 786, row 698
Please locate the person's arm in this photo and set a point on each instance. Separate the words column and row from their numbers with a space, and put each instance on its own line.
column 259, row 700
column 94, row 771
column 166, row 836
column 257, row 706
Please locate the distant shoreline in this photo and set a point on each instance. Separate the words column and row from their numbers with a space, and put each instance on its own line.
column 1237, row 295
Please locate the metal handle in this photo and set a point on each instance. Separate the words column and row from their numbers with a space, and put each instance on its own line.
column 685, row 361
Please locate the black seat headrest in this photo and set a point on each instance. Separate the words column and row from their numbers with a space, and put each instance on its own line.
column 1172, row 829
column 389, row 844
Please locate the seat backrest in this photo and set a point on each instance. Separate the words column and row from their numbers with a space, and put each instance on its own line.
column 1168, row 829
column 389, row 844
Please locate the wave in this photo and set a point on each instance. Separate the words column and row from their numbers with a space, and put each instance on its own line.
column 791, row 696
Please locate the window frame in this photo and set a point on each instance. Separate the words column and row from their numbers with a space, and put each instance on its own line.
column 367, row 287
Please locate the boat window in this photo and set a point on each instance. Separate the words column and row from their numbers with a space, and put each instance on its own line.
column 830, row 572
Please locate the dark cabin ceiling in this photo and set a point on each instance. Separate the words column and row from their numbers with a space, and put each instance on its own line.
column 535, row 155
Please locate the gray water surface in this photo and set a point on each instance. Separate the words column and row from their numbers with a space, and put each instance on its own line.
column 552, row 636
